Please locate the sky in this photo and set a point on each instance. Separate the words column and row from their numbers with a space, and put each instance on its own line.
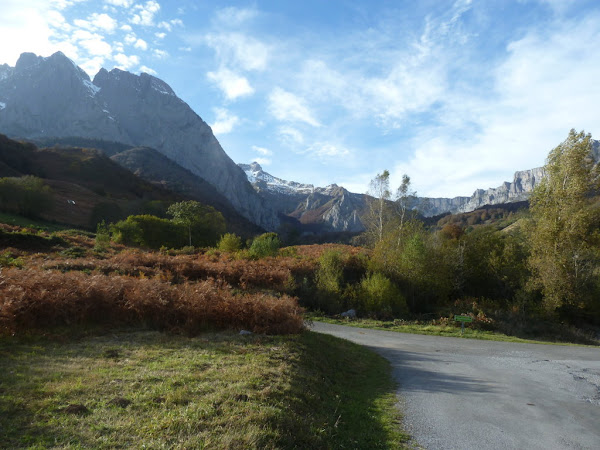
column 457, row 94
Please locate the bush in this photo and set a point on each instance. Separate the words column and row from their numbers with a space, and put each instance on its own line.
column 8, row 260
column 102, row 237
column 230, row 242
column 27, row 195
column 380, row 297
column 265, row 245
column 329, row 277
column 74, row 252
column 149, row 231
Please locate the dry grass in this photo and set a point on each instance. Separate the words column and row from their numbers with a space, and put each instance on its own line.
column 36, row 299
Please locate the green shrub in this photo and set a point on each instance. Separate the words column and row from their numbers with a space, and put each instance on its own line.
column 230, row 242
column 328, row 279
column 380, row 297
column 149, row 231
column 7, row 260
column 265, row 245
column 74, row 252
column 27, row 195
column 102, row 237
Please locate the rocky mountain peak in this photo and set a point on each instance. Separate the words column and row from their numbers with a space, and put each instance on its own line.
column 53, row 97
column 27, row 60
column 255, row 167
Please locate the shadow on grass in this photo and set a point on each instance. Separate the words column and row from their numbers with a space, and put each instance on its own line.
column 346, row 395
column 330, row 393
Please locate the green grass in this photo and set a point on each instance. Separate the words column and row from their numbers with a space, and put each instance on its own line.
column 145, row 389
column 431, row 329
column 38, row 224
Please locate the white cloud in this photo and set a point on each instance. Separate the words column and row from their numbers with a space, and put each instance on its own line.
column 263, row 161
column 239, row 50
column 145, row 13
column 165, row 25
column 327, row 150
column 94, row 44
column 160, row 54
column 170, row 24
column 232, row 85
column 160, row 35
column 25, row 28
column 148, row 70
column 130, row 38
column 126, row 62
column 126, row 28
column 141, row 44
column 285, row 106
column 290, row 136
column 234, row 17
column 262, row 150
column 122, row 3
column 546, row 85
column 103, row 22
column 92, row 65
column 224, row 121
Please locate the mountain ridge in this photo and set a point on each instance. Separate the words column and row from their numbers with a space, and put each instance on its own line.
column 330, row 205
column 52, row 97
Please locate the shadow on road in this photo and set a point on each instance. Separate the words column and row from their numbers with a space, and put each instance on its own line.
column 408, row 371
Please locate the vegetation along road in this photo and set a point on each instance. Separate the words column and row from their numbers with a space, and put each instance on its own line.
column 471, row 394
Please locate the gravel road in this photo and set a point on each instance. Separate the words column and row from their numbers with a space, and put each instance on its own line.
column 471, row 394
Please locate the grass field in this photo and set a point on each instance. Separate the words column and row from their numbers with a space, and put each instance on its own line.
column 145, row 389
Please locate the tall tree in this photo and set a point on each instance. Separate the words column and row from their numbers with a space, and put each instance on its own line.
column 193, row 214
column 564, row 238
column 403, row 197
column 379, row 190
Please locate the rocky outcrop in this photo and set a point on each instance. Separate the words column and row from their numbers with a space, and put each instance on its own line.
column 42, row 97
column 516, row 191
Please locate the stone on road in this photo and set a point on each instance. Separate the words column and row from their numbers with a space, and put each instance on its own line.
column 472, row 394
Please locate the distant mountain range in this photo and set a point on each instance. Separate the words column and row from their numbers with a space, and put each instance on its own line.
column 336, row 209
column 141, row 124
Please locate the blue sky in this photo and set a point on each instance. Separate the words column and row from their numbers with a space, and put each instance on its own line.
column 457, row 94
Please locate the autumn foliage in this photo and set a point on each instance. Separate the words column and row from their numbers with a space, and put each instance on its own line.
column 37, row 298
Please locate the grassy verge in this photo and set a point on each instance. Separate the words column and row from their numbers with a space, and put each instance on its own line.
column 38, row 224
column 430, row 329
column 146, row 389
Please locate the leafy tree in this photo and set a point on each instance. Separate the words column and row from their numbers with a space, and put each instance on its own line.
column 417, row 265
column 403, row 197
column 329, row 277
column 564, row 236
column 380, row 297
column 266, row 244
column 149, row 231
column 27, row 195
column 203, row 221
column 230, row 242
column 379, row 210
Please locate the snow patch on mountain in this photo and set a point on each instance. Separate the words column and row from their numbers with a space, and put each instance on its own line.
column 91, row 87
column 263, row 180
